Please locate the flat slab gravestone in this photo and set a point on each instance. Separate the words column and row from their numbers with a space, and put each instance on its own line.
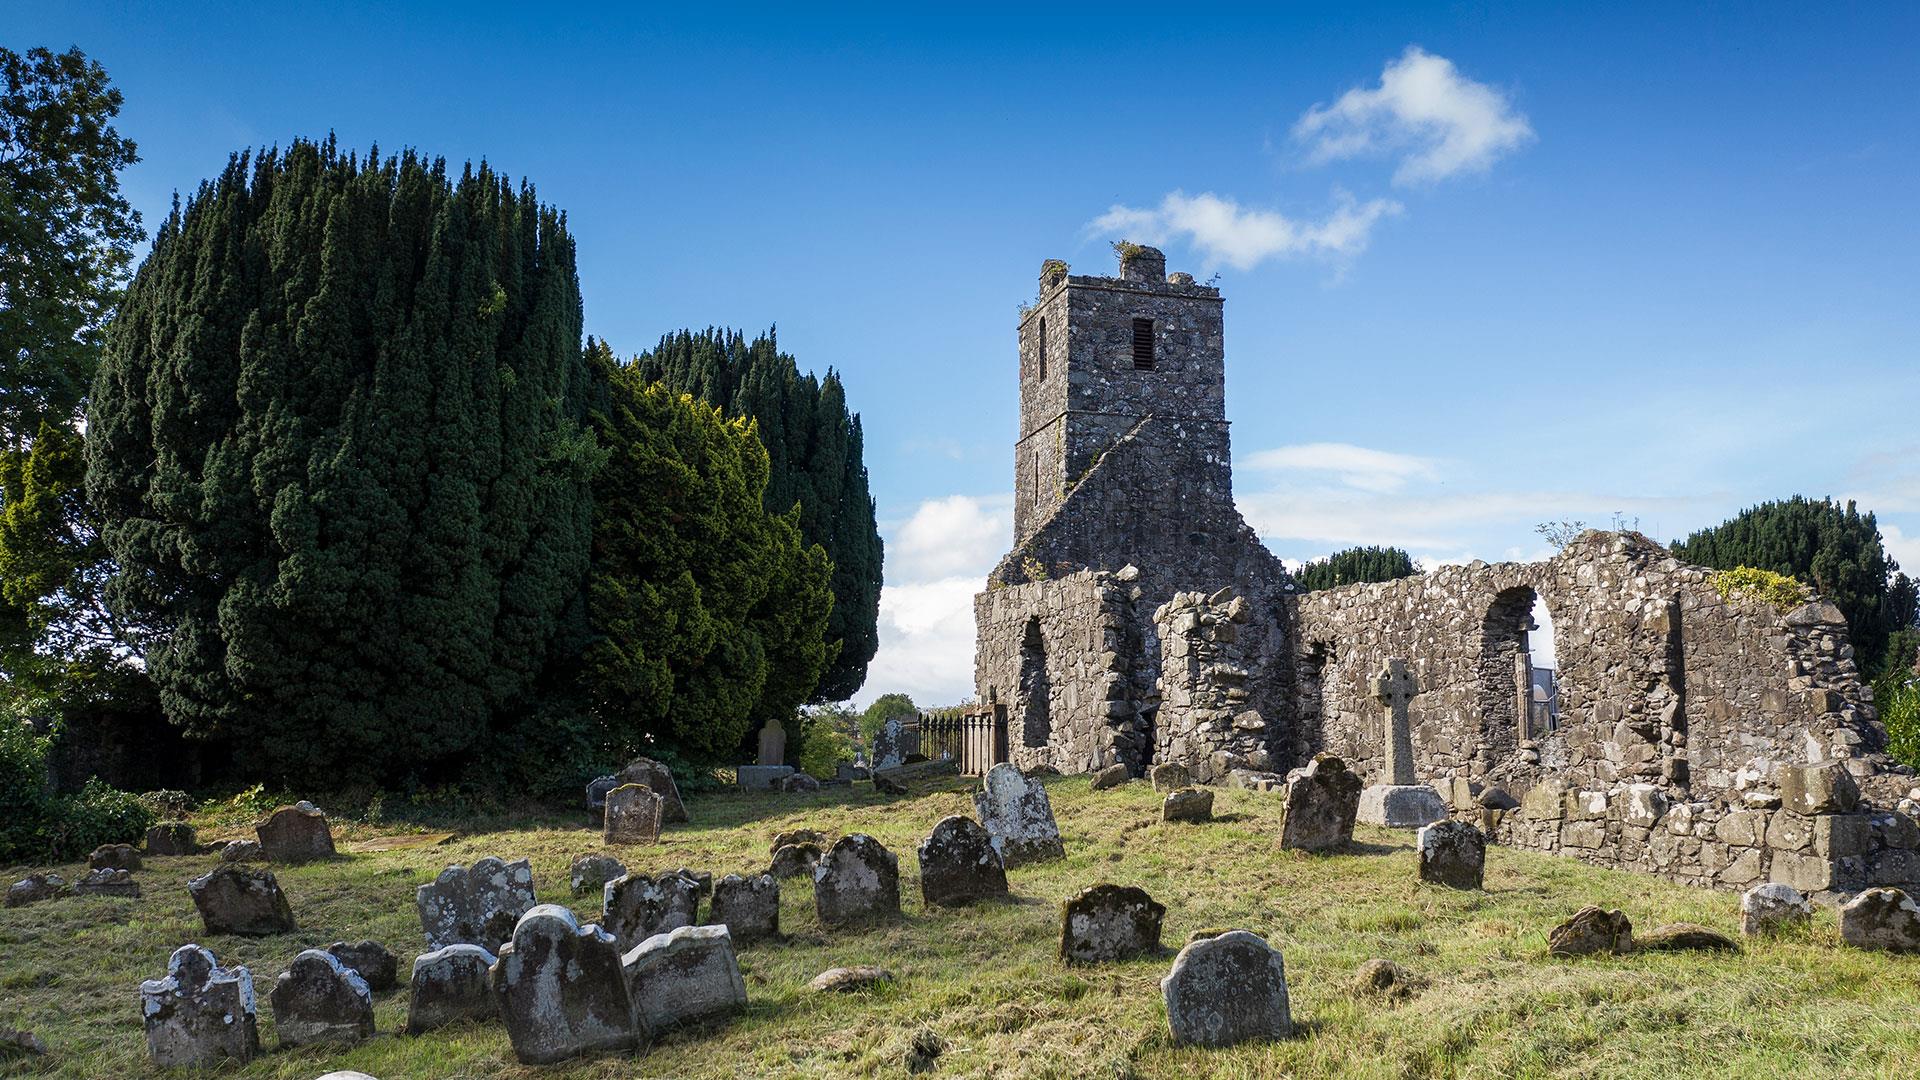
column 1227, row 989
column 644, row 770
column 761, row 777
column 1885, row 919
column 1452, row 853
column 749, row 907
column 450, row 985
column 590, row 873
column 200, row 1013
column 561, row 990
column 234, row 899
column 1188, row 804
column 1321, row 801
column 374, row 961
column 1771, row 907
column 475, row 905
column 296, row 834
column 858, row 881
column 633, row 815
column 1107, row 922
column 634, row 907
column 105, row 882
column 684, row 975
column 1016, row 813
column 318, row 999
column 959, row 864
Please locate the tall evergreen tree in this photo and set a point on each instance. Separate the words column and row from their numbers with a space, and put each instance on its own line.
column 338, row 446
column 815, row 449
column 1833, row 547
column 1353, row 565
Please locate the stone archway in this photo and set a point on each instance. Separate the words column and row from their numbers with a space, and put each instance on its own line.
column 1035, row 690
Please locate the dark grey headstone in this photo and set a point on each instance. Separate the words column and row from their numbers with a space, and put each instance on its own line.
column 237, row 900
column 1227, row 989
column 561, row 989
column 1109, row 922
column 450, row 985
column 857, row 882
column 749, row 907
column 318, row 999
column 960, row 864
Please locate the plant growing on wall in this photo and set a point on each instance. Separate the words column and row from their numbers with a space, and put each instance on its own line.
column 1783, row 592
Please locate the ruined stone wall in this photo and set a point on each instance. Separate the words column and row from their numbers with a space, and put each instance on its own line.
column 1207, row 719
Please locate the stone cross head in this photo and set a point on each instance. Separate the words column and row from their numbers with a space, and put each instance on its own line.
column 1394, row 686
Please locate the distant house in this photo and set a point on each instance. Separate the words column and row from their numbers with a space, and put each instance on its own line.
column 1543, row 708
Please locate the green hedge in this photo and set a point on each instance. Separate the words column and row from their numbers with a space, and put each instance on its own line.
column 38, row 826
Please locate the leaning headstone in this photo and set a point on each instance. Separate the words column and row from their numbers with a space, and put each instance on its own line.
column 1018, row 816
column 200, row 1013
column 856, row 882
column 318, row 999
column 1188, row 804
column 1110, row 777
column 749, row 907
column 243, row 851
column 1226, row 990
column 172, row 838
column 1452, row 853
column 1169, row 776
column 373, row 961
column 684, row 975
column 114, row 857
column 1885, row 919
column 642, row 770
column 233, row 900
column 773, row 743
column 959, row 864
column 1322, row 799
column 1591, row 930
column 1771, row 907
column 36, row 887
column 475, row 905
column 1399, row 801
column 794, row 860
column 597, row 789
column 590, row 873
column 890, row 745
column 1109, row 922
column 450, row 985
column 634, row 907
column 296, row 834
column 104, row 882
column 633, row 815
column 560, row 989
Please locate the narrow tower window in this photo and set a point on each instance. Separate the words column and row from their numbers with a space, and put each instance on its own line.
column 1042, row 350
column 1143, row 344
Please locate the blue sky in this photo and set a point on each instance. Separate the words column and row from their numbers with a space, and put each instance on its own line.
column 1485, row 265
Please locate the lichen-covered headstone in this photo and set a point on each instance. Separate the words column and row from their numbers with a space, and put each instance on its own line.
column 1771, row 907
column 1016, row 813
column 686, row 974
column 856, row 882
column 1885, row 919
column 1591, row 930
column 633, row 815
column 105, row 882
column 590, row 873
column 659, row 778
column 1188, row 804
column 634, row 907
column 36, row 887
column 318, row 999
column 1170, row 776
column 1321, row 801
column 561, row 990
column 1227, row 989
column 794, row 860
column 172, row 838
column 373, row 961
column 1452, row 853
column 890, row 745
column 959, row 864
column 749, row 907
column 1109, row 922
column 200, row 1013
column 475, row 905
column 114, row 857
column 451, row 985
column 237, row 900
column 296, row 834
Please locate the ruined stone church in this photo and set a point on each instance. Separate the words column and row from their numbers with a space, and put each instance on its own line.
column 1138, row 620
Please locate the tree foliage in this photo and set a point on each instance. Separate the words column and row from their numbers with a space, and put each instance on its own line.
column 1826, row 544
column 815, row 454
column 337, row 445
column 1353, row 565
column 884, row 708
column 709, row 611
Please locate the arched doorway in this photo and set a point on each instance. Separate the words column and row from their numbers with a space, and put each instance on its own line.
column 1036, row 715
column 1506, row 675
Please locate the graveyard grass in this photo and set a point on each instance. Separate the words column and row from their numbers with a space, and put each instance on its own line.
column 985, row 981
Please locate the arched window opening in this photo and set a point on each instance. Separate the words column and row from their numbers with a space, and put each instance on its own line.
column 1036, row 719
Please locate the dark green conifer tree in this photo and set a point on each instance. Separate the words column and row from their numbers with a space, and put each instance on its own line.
column 1354, row 565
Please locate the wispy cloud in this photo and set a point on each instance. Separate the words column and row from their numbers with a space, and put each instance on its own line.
column 1440, row 122
column 1226, row 233
column 1355, row 466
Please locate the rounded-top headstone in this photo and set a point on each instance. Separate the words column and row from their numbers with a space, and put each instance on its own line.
column 659, row 779
column 1881, row 919
column 959, row 864
column 318, row 999
column 1108, row 922
column 199, row 1013
column 296, row 834
column 475, row 905
column 1227, row 989
column 858, row 881
column 234, row 899
column 1452, row 853
column 561, row 990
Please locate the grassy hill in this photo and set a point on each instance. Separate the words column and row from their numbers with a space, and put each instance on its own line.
column 985, row 981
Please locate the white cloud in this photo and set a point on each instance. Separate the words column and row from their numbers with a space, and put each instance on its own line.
column 1226, row 233
column 1902, row 548
column 1442, row 122
column 1355, row 466
column 958, row 534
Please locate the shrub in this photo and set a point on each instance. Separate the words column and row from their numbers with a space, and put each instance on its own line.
column 1783, row 592
column 99, row 814
column 827, row 747
column 1900, row 710
column 37, row 825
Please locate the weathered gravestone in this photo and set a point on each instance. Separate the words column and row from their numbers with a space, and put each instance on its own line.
column 856, row 882
column 1110, row 777
column 1016, row 813
column 1592, row 930
column 36, row 887
column 475, row 905
column 773, row 744
column 450, row 985
column 560, row 989
column 633, row 815
column 846, row 980
column 799, row 836
column 1452, row 853
column 236, row 900
column 1109, row 922
column 1227, row 989
column 373, row 961
column 172, row 838
column 105, row 882
column 1188, row 804
column 634, row 907
column 243, row 851
column 890, row 747
column 1771, row 907
column 683, row 975
column 597, row 789
column 200, row 1013
column 749, row 907
column 318, row 999
column 296, row 834
column 1399, row 801
column 1170, row 776
column 590, row 873
column 762, row 777
column 1321, row 801
column 959, row 864
column 1881, row 919
column 794, row 860
column 114, row 857
column 1685, row 937
column 659, row 778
